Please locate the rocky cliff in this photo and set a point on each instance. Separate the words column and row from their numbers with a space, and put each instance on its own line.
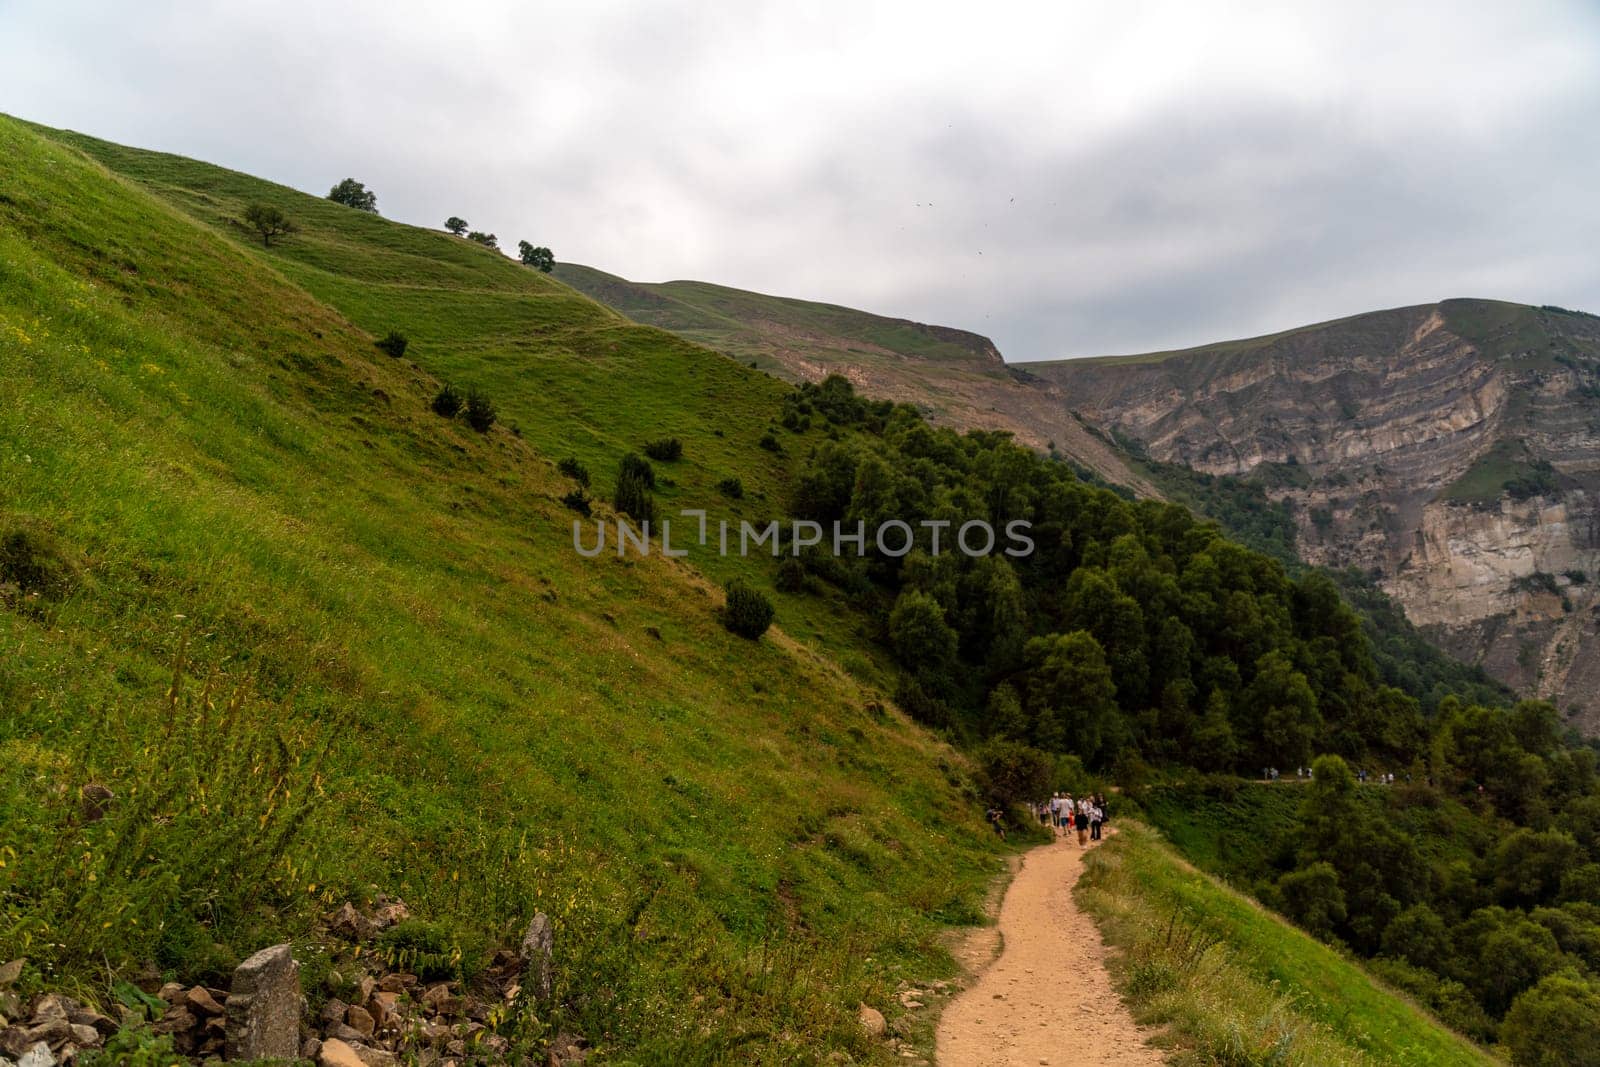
column 1452, row 449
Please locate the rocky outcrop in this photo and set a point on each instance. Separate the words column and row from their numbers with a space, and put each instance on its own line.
column 263, row 1007
column 1453, row 450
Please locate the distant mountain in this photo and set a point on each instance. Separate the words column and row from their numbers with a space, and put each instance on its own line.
column 1452, row 449
column 958, row 378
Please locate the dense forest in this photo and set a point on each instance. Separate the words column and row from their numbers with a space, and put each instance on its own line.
column 1145, row 642
column 1133, row 631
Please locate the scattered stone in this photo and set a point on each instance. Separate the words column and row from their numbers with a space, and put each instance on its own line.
column 310, row 1049
column 376, row 1057
column 13, row 1041
column 344, row 1032
column 872, row 1021
column 49, row 1007
column 538, row 956
column 89, row 1017
column 333, row 1010
column 37, row 1056
column 200, row 1001
column 10, row 972
column 436, row 995
column 336, row 1053
column 85, row 1036
column 93, row 801
column 395, row 983
column 177, row 1020
column 264, row 1007
column 350, row 923
column 361, row 1020
column 383, row 1006
column 565, row 1055
column 391, row 913
column 171, row 992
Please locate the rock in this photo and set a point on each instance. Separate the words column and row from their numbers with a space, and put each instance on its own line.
column 336, row 1053
column 13, row 1041
column 434, row 995
column 564, row 1052
column 10, row 1007
column 85, row 1036
column 93, row 801
column 390, row 914
column 361, row 1020
column 171, row 992
column 49, row 1007
column 349, row 923
column 911, row 1005
column 310, row 1049
column 264, row 1007
column 200, row 1001
column 333, row 1010
column 538, row 956
column 383, row 1006
column 376, row 1057
column 37, row 1056
column 344, row 1032
column 175, row 1021
column 395, row 983
column 872, row 1021
column 10, row 972
column 89, row 1017
column 368, row 985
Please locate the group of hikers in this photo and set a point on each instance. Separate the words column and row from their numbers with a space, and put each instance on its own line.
column 1083, row 816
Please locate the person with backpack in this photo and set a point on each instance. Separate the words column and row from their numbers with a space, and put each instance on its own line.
column 1080, row 821
column 997, row 820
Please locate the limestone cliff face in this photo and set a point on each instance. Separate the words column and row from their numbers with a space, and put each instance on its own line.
column 1451, row 449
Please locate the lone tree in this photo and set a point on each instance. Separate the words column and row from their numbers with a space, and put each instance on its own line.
column 540, row 258
column 268, row 221
column 352, row 193
column 456, row 225
column 488, row 240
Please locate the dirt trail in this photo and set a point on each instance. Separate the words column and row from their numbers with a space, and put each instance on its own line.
column 1047, row 998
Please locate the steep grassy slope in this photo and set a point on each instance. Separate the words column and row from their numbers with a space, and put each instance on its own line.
column 205, row 464
column 957, row 378
column 1237, row 985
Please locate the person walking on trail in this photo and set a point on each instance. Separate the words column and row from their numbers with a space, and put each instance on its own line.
column 1097, row 815
column 1053, row 805
column 1081, row 821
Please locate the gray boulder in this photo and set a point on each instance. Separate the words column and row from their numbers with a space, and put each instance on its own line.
column 264, row 1007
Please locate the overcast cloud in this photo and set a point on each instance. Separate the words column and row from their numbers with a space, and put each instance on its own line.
column 1070, row 179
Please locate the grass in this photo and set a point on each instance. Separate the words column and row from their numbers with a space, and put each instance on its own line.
column 1235, row 985
column 744, row 324
column 297, row 603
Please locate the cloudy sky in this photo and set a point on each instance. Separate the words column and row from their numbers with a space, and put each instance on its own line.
column 1068, row 178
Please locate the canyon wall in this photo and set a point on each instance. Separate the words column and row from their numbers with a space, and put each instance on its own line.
column 1452, row 450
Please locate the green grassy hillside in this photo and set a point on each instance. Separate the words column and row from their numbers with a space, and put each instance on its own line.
column 955, row 377
column 1236, row 985
column 321, row 642
column 753, row 325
